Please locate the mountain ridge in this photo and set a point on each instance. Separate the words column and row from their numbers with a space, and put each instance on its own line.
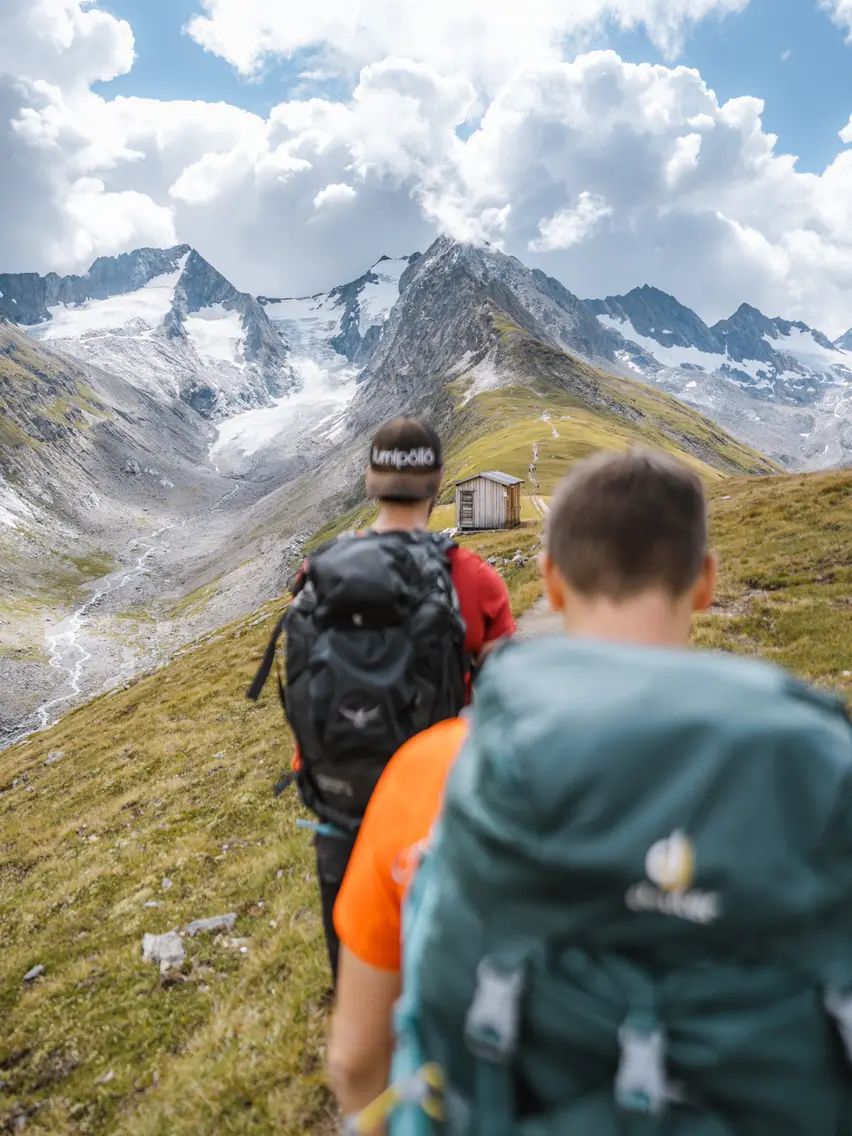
column 164, row 319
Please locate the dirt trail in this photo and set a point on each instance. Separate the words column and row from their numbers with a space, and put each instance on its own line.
column 539, row 621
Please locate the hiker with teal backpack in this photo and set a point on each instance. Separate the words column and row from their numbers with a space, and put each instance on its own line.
column 380, row 637
column 634, row 914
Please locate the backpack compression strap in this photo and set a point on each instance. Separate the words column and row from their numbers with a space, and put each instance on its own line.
column 424, row 1089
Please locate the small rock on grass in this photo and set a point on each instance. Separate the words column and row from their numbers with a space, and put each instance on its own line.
column 166, row 949
column 54, row 756
column 213, row 925
column 32, row 975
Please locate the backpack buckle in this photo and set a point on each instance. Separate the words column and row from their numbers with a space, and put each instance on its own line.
column 641, row 1083
column 492, row 1024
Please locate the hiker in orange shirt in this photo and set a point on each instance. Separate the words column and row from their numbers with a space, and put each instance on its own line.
column 624, row 531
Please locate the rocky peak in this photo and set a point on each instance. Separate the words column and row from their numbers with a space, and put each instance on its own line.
column 26, row 298
column 747, row 335
column 456, row 304
column 657, row 315
column 542, row 305
column 115, row 275
column 200, row 286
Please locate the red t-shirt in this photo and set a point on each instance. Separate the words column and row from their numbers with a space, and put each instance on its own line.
column 483, row 600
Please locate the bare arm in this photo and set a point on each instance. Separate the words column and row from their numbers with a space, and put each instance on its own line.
column 361, row 1042
column 487, row 648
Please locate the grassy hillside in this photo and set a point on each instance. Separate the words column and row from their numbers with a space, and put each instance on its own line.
column 42, row 397
column 159, row 811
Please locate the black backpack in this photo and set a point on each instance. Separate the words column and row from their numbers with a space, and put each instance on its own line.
column 374, row 654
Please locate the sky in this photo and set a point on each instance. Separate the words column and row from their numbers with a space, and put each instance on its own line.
column 702, row 146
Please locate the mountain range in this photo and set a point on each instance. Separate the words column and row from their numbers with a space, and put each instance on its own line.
column 169, row 323
column 172, row 439
column 164, row 319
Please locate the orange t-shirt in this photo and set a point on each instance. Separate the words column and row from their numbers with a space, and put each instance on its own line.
column 402, row 810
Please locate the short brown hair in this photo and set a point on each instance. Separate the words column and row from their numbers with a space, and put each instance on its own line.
column 405, row 461
column 621, row 523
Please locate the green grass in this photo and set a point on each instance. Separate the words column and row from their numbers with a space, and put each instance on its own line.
column 194, row 602
column 785, row 588
column 95, row 564
column 170, row 778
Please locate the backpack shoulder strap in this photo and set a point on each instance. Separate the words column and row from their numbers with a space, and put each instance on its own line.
column 444, row 543
column 297, row 584
column 256, row 688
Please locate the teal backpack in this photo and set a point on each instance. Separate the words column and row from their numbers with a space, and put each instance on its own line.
column 635, row 916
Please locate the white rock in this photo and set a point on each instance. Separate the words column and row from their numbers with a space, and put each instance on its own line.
column 166, row 949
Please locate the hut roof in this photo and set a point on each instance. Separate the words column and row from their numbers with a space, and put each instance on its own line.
column 493, row 475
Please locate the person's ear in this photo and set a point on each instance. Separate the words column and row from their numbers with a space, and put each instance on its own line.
column 554, row 584
column 705, row 586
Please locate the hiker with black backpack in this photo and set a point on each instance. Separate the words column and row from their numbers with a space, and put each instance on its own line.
column 634, row 912
column 381, row 635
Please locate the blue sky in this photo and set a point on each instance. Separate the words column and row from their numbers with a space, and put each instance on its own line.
column 169, row 65
column 808, row 94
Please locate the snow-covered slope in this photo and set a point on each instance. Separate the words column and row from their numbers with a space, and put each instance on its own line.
column 749, row 348
column 345, row 323
column 780, row 385
column 166, row 321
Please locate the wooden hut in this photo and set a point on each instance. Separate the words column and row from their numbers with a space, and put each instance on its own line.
column 488, row 501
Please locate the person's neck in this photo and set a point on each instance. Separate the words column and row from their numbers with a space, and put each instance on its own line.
column 653, row 619
column 397, row 517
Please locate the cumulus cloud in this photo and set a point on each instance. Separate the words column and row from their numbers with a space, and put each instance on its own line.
column 569, row 227
column 461, row 117
column 480, row 38
column 66, row 41
column 840, row 11
column 334, row 195
column 55, row 142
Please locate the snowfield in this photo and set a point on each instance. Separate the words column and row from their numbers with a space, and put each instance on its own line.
column 13, row 509
column 149, row 305
column 799, row 345
column 802, row 346
column 376, row 300
column 308, row 323
column 677, row 356
column 217, row 334
column 320, row 402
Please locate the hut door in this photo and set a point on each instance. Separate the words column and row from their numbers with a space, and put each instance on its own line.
column 466, row 508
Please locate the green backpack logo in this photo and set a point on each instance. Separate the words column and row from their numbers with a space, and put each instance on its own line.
column 670, row 867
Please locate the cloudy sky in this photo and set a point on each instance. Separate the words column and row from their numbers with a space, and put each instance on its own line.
column 704, row 146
